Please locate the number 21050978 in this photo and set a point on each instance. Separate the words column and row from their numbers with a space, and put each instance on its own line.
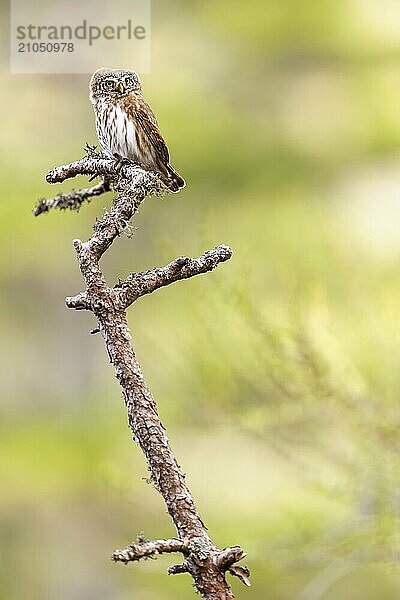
column 45, row 47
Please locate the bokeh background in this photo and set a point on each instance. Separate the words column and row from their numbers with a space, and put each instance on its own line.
column 277, row 375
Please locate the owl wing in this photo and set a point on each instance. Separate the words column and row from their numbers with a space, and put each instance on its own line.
column 152, row 150
column 147, row 122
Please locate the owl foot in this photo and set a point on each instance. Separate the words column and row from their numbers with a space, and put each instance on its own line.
column 120, row 161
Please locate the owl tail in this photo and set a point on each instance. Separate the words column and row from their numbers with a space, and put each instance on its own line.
column 174, row 181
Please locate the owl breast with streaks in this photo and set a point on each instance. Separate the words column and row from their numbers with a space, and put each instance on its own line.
column 116, row 132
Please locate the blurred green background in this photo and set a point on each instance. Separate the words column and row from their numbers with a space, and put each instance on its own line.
column 277, row 375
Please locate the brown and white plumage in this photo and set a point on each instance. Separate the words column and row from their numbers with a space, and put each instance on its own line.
column 126, row 126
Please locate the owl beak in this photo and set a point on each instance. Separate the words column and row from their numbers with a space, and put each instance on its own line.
column 119, row 87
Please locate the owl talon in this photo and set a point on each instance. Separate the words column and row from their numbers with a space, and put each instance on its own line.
column 120, row 161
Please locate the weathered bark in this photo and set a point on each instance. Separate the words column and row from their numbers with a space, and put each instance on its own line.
column 206, row 563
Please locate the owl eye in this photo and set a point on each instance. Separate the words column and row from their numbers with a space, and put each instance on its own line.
column 128, row 81
column 108, row 84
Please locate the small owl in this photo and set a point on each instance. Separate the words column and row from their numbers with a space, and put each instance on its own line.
column 126, row 126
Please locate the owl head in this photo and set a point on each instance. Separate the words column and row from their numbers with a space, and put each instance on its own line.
column 113, row 83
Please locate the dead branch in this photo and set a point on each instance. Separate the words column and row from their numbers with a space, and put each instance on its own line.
column 72, row 200
column 149, row 549
column 203, row 560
